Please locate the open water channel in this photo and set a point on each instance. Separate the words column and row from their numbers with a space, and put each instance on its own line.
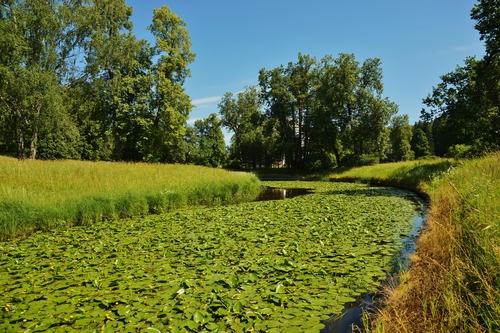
column 351, row 316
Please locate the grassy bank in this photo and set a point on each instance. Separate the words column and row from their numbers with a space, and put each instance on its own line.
column 454, row 281
column 43, row 194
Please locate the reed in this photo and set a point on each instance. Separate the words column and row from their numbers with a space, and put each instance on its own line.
column 44, row 194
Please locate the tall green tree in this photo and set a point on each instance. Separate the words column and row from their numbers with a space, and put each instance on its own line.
column 211, row 144
column 254, row 136
column 170, row 105
column 32, row 35
column 353, row 112
column 114, row 79
column 400, row 137
column 288, row 94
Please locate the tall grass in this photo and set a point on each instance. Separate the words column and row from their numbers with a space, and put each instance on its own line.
column 453, row 284
column 415, row 174
column 44, row 194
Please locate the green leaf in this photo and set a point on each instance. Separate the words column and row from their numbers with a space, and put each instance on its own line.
column 237, row 307
column 198, row 317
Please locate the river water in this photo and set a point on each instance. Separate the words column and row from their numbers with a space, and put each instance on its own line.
column 351, row 316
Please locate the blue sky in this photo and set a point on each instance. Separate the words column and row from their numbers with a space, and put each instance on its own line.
column 416, row 40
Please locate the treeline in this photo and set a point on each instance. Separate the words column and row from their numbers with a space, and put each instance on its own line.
column 75, row 83
column 311, row 115
column 320, row 114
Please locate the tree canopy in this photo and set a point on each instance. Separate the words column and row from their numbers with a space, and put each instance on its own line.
column 76, row 83
column 311, row 114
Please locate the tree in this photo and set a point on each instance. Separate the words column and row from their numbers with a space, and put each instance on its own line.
column 211, row 144
column 462, row 103
column 253, row 140
column 114, row 80
column 467, row 101
column 114, row 97
column 352, row 112
column 288, row 94
column 486, row 13
column 420, row 143
column 32, row 35
column 401, row 134
column 170, row 105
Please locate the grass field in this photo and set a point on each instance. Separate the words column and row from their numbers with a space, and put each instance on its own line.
column 454, row 281
column 44, row 194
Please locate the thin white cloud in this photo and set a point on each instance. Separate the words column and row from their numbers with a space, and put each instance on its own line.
column 206, row 101
column 191, row 121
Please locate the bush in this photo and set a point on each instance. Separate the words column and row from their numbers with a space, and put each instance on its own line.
column 320, row 161
column 459, row 151
column 354, row 160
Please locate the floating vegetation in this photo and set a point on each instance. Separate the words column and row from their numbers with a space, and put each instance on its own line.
column 275, row 266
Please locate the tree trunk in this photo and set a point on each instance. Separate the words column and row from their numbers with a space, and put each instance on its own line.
column 337, row 156
column 34, row 143
column 34, row 137
column 19, row 135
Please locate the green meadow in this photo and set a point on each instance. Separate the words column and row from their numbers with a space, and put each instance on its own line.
column 41, row 195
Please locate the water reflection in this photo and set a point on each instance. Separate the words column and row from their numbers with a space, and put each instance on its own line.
column 271, row 193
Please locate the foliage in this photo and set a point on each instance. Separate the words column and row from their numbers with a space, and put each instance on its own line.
column 211, row 148
column 419, row 143
column 46, row 194
column 277, row 266
column 254, row 134
column 118, row 98
column 333, row 106
column 400, row 136
column 459, row 151
column 31, row 58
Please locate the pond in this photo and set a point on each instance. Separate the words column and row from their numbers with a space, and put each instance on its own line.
column 276, row 266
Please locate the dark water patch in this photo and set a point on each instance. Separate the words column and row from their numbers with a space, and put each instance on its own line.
column 271, row 193
column 350, row 320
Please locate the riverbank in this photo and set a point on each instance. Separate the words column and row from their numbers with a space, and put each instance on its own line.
column 453, row 284
column 42, row 195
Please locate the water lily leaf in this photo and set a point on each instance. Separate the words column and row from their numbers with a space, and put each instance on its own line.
column 237, row 307
column 198, row 317
column 212, row 326
column 192, row 325
column 280, row 288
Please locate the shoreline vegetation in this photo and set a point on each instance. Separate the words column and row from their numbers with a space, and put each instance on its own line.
column 41, row 195
column 453, row 284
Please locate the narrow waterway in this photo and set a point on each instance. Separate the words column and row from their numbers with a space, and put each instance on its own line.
column 351, row 316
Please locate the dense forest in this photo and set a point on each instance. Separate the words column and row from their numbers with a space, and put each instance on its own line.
column 75, row 83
